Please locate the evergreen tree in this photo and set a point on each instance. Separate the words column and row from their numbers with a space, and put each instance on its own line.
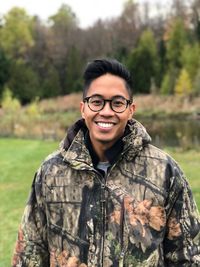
column 73, row 71
column 143, row 63
column 191, row 59
column 169, row 81
column 4, row 70
column 195, row 18
column 50, row 84
column 162, row 62
column 176, row 40
column 24, row 82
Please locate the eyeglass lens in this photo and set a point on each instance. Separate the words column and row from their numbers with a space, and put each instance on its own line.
column 117, row 104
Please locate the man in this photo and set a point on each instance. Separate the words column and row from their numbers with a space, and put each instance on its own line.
column 108, row 197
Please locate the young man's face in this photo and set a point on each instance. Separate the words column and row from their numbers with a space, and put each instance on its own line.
column 106, row 126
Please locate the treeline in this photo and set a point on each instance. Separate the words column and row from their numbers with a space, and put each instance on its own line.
column 45, row 59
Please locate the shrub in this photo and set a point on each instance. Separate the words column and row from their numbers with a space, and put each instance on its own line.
column 9, row 103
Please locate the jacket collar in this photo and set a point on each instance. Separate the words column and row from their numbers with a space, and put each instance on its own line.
column 111, row 153
column 77, row 149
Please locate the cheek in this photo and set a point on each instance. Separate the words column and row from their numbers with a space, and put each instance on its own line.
column 88, row 117
column 124, row 119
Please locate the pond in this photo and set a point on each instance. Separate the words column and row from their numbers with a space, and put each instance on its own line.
column 173, row 132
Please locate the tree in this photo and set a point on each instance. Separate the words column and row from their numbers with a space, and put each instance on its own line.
column 179, row 9
column 61, row 37
column 4, row 70
column 61, row 34
column 176, row 40
column 39, row 57
column 50, row 85
column 16, row 33
column 126, row 29
column 143, row 63
column 162, row 61
column 169, row 81
column 191, row 59
column 196, row 18
column 73, row 71
column 64, row 19
column 183, row 85
column 96, row 41
column 196, row 84
column 24, row 82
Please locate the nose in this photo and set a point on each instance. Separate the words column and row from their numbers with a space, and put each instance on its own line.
column 107, row 111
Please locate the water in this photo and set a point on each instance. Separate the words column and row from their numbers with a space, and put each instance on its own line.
column 173, row 132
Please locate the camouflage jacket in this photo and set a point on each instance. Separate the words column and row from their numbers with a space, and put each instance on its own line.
column 141, row 214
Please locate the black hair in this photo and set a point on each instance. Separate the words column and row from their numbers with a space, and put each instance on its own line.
column 99, row 67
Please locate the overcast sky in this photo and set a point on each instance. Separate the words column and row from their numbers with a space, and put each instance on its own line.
column 87, row 11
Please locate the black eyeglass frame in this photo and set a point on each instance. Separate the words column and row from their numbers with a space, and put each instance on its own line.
column 128, row 102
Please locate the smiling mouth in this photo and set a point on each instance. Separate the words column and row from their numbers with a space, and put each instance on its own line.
column 105, row 125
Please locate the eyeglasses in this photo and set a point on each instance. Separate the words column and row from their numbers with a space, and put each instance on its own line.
column 96, row 103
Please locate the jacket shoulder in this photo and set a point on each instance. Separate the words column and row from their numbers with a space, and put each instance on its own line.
column 158, row 167
column 153, row 152
column 51, row 163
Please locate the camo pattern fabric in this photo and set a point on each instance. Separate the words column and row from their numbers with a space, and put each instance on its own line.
column 142, row 214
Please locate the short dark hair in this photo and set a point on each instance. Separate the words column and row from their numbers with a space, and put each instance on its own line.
column 99, row 67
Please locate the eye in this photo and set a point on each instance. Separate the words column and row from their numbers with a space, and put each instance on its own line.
column 118, row 102
column 96, row 101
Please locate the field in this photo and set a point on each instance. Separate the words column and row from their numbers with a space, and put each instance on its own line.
column 50, row 118
column 19, row 159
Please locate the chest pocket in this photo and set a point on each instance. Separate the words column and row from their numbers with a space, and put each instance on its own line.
column 63, row 209
column 63, row 194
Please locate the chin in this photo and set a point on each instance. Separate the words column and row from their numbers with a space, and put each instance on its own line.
column 106, row 140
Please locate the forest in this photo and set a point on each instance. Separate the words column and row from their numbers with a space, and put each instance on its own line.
column 41, row 66
column 45, row 59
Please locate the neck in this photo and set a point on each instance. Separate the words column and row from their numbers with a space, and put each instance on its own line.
column 100, row 151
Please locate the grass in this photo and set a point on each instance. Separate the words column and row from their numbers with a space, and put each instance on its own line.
column 189, row 162
column 19, row 159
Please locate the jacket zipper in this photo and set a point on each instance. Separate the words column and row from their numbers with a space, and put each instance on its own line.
column 122, row 245
column 102, row 181
column 103, row 213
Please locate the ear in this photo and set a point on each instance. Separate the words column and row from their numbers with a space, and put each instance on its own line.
column 131, row 110
column 82, row 109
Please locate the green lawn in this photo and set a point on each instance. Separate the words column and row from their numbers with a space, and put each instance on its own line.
column 189, row 162
column 19, row 159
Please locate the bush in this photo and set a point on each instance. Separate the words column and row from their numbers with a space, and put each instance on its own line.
column 183, row 85
column 9, row 103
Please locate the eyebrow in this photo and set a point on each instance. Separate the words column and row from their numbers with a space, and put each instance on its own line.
column 110, row 98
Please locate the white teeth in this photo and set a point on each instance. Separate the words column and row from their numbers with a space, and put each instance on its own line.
column 105, row 124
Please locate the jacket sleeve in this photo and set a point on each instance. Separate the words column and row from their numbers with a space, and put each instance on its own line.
column 31, row 247
column 182, row 240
